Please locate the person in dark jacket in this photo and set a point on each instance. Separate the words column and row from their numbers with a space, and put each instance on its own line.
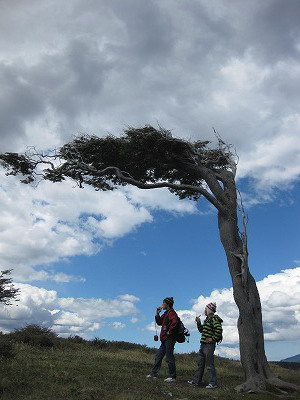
column 168, row 322
column 211, row 331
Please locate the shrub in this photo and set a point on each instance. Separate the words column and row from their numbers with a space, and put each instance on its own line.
column 34, row 335
column 101, row 343
column 76, row 339
column 6, row 348
column 115, row 345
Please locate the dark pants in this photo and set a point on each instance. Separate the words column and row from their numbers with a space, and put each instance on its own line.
column 166, row 349
column 206, row 357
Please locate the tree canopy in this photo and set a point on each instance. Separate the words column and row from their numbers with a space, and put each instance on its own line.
column 146, row 157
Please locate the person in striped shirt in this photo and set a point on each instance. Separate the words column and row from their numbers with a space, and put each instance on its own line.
column 211, row 331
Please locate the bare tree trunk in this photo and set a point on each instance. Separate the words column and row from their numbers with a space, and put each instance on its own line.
column 246, row 296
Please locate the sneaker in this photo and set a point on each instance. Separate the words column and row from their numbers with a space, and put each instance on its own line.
column 210, row 386
column 191, row 382
column 151, row 376
column 169, row 380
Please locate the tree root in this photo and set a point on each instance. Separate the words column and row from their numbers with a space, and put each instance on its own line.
column 283, row 385
column 257, row 384
column 252, row 385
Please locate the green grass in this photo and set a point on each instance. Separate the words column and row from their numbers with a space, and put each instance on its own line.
column 83, row 371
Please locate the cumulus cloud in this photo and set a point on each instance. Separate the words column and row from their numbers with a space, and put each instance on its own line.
column 280, row 299
column 59, row 223
column 65, row 316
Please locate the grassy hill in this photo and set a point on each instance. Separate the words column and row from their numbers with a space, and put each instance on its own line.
column 67, row 369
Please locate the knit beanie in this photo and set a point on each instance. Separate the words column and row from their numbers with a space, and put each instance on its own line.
column 169, row 301
column 211, row 308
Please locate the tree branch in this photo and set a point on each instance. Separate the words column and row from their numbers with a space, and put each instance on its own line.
column 125, row 177
column 198, row 189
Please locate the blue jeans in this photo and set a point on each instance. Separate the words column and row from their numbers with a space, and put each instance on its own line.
column 166, row 349
column 206, row 358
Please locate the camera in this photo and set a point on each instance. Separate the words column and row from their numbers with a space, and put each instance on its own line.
column 155, row 338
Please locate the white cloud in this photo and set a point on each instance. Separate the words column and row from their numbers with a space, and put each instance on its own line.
column 129, row 297
column 151, row 327
column 117, row 325
column 274, row 167
column 65, row 278
column 64, row 315
column 228, row 352
column 99, row 308
column 161, row 199
column 120, row 216
column 273, row 130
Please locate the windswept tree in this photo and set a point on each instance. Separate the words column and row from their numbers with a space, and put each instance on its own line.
column 8, row 292
column 151, row 158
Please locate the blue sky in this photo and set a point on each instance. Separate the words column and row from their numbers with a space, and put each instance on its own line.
column 98, row 264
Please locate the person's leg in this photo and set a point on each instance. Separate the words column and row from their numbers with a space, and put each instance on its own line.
column 201, row 364
column 158, row 359
column 170, row 343
column 210, row 362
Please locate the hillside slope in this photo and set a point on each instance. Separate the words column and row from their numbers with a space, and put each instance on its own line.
column 86, row 371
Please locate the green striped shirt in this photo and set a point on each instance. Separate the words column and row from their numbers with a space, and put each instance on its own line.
column 211, row 328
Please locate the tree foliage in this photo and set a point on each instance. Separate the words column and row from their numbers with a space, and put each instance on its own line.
column 7, row 290
column 152, row 157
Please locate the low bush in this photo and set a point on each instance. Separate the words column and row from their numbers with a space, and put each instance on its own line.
column 76, row 339
column 115, row 345
column 34, row 335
